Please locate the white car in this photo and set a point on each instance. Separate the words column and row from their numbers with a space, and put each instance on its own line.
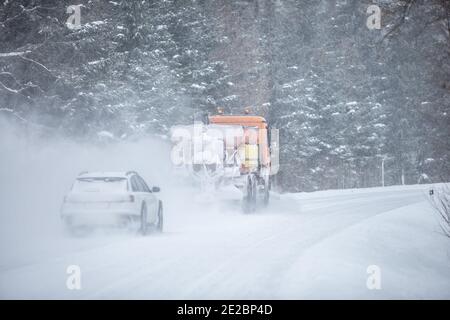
column 120, row 199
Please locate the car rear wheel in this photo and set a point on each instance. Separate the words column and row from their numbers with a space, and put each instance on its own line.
column 160, row 223
column 144, row 225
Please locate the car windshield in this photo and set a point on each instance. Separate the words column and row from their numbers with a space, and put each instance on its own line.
column 100, row 184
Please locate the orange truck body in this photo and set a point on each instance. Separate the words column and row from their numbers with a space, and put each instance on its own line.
column 255, row 132
column 245, row 121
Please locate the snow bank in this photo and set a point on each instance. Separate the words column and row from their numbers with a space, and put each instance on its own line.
column 406, row 244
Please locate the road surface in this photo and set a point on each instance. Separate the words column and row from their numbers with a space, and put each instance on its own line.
column 316, row 245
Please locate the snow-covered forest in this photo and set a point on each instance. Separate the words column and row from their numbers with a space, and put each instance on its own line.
column 345, row 97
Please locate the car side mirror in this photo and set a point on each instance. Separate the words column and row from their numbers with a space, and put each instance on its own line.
column 156, row 189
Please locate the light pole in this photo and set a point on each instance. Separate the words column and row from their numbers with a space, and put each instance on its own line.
column 382, row 170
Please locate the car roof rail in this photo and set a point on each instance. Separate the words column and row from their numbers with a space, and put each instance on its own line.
column 131, row 172
column 83, row 172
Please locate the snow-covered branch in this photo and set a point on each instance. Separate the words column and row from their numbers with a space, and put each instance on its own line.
column 13, row 54
column 2, row 86
column 37, row 63
column 404, row 15
column 23, row 92
column 440, row 200
column 25, row 11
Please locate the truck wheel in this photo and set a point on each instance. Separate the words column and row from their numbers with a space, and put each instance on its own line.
column 266, row 193
column 249, row 200
column 254, row 194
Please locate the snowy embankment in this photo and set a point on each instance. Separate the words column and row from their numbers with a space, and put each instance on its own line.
column 406, row 244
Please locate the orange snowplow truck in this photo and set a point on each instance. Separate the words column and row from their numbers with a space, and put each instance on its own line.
column 254, row 147
column 257, row 152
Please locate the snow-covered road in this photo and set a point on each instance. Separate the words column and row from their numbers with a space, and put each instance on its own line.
column 316, row 245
